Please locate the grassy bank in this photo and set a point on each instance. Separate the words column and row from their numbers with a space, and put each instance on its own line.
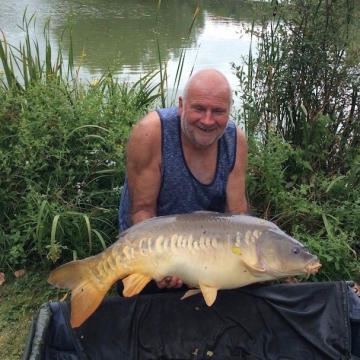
column 20, row 298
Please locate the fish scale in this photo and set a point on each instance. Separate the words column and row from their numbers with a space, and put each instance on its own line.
column 208, row 251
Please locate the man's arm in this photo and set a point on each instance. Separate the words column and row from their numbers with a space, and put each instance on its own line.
column 235, row 189
column 143, row 162
column 143, row 167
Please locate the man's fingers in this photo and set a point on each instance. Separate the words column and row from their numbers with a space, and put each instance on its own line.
column 170, row 282
column 167, row 280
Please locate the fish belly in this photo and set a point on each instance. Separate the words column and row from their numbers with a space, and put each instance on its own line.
column 213, row 266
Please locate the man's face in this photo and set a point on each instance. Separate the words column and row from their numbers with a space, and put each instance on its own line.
column 204, row 114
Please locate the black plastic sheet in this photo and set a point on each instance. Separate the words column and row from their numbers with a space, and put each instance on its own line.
column 301, row 321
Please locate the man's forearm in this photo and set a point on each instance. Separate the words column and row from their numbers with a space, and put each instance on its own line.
column 141, row 215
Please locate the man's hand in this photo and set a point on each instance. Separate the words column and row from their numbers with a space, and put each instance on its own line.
column 170, row 282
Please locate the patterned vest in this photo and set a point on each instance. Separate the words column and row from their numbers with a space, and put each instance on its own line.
column 180, row 191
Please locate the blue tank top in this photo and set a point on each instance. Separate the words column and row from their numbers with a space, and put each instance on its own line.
column 180, row 191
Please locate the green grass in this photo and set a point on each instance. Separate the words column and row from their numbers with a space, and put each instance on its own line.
column 20, row 299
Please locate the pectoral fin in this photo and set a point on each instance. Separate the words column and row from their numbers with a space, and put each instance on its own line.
column 254, row 269
column 209, row 293
column 134, row 283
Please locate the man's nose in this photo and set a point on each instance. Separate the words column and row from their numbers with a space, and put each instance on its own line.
column 207, row 118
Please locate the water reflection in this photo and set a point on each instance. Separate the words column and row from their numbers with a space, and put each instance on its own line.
column 124, row 33
column 128, row 35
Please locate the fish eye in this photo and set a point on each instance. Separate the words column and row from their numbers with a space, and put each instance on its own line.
column 296, row 249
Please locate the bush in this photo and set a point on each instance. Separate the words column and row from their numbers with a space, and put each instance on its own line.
column 62, row 167
column 321, row 210
column 62, row 149
column 302, row 117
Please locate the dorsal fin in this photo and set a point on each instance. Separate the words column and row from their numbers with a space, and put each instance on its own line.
column 206, row 212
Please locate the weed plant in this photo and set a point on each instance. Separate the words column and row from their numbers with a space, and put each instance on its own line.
column 61, row 167
column 301, row 110
column 62, row 149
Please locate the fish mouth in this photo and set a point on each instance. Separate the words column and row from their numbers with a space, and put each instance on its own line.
column 313, row 267
column 309, row 269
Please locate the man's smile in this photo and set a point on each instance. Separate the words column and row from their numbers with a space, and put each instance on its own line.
column 205, row 130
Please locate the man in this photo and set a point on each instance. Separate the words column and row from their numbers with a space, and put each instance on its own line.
column 187, row 158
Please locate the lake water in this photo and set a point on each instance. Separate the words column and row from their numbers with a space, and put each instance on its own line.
column 123, row 34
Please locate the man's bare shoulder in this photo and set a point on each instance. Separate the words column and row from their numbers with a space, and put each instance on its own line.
column 145, row 139
column 148, row 126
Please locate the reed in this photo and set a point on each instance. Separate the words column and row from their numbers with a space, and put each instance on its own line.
column 302, row 85
column 26, row 64
column 62, row 146
column 165, row 99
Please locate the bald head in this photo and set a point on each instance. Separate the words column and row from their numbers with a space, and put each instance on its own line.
column 204, row 108
column 208, row 81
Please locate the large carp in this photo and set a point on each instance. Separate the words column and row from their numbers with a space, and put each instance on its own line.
column 208, row 251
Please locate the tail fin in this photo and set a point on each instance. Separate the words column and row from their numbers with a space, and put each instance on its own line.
column 87, row 291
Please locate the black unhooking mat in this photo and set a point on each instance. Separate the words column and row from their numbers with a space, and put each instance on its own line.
column 302, row 321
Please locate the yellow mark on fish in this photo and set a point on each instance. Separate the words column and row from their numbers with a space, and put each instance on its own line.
column 236, row 250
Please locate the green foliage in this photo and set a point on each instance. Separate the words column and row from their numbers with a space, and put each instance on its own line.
column 62, row 146
column 301, row 113
column 61, row 167
column 20, row 299
column 305, row 79
column 319, row 209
